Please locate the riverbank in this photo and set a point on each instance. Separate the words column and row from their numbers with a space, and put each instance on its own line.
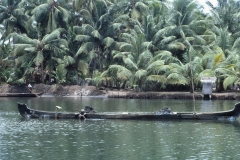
column 173, row 95
column 82, row 91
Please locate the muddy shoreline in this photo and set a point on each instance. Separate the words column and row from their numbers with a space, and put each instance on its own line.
column 83, row 91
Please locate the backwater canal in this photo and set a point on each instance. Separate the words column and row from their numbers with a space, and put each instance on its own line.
column 44, row 139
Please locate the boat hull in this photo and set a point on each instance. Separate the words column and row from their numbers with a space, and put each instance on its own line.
column 21, row 94
column 30, row 113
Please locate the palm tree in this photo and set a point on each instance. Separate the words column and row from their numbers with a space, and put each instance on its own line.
column 226, row 14
column 37, row 51
column 192, row 29
column 228, row 69
column 13, row 17
column 116, row 76
column 49, row 16
column 76, row 65
column 5, row 49
column 99, row 32
column 136, row 56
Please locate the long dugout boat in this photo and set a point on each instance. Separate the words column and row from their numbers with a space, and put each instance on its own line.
column 163, row 114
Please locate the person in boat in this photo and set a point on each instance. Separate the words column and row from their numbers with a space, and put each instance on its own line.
column 56, row 110
column 30, row 87
column 82, row 114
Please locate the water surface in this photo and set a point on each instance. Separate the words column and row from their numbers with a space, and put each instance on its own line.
column 116, row 139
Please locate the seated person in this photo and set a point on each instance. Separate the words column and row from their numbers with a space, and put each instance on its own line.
column 82, row 114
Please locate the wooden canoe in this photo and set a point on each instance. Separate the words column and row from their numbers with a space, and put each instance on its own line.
column 21, row 94
column 163, row 114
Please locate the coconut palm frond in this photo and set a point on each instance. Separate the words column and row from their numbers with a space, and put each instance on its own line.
column 21, row 60
column 57, row 45
column 92, row 54
column 22, row 39
column 157, row 78
column 83, row 66
column 19, row 49
column 129, row 63
column 68, row 60
column 21, row 80
column 61, row 74
column 86, row 14
column 176, row 46
column 78, row 4
column 119, row 71
column 236, row 44
column 115, row 52
column 29, row 70
column 161, row 33
column 122, row 55
column 117, row 26
column 144, row 58
column 82, row 38
column 3, row 9
column 163, row 69
column 85, row 48
column 58, row 60
column 200, row 40
column 52, row 22
column 56, row 34
column 218, row 59
column 97, row 35
column 215, row 17
column 65, row 14
column 140, row 74
column 121, row 18
column 220, row 72
column 210, row 4
column 208, row 38
column 236, row 35
column 207, row 73
column 87, row 29
column 77, row 30
column 175, row 78
column 135, row 14
column 163, row 53
column 108, row 41
column 125, row 47
column 154, row 65
column 146, row 45
column 141, row 7
column 128, row 37
column 40, row 11
column 105, row 74
column 229, row 81
column 30, row 49
column 167, row 40
column 38, row 59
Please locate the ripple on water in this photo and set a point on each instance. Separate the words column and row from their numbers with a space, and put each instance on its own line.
column 115, row 139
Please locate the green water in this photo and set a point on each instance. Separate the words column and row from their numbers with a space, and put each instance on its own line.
column 115, row 139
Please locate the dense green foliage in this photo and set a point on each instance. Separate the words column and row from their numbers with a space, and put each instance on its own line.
column 142, row 44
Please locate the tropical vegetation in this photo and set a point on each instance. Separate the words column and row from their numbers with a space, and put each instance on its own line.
column 141, row 44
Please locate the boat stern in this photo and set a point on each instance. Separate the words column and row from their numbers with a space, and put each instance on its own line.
column 23, row 109
column 236, row 109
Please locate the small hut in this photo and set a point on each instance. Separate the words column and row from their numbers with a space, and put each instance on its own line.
column 207, row 83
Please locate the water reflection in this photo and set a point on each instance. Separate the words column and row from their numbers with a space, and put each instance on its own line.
column 116, row 139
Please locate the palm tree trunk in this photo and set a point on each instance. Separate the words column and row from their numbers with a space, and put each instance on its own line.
column 49, row 77
column 100, row 58
column 124, row 84
column 42, row 73
column 77, row 80
column 219, row 85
